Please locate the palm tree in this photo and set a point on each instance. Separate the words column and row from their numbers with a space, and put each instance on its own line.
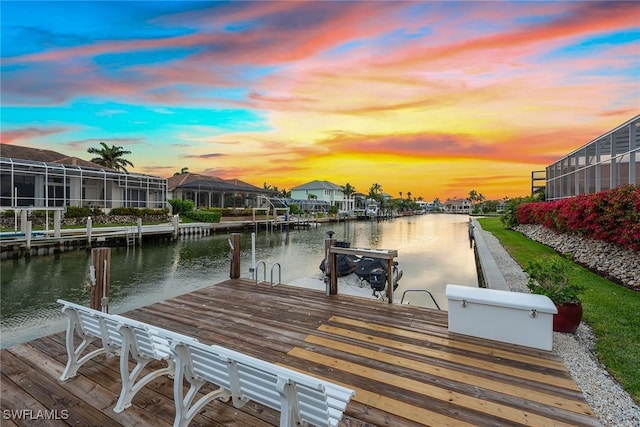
column 182, row 171
column 348, row 190
column 284, row 193
column 409, row 195
column 474, row 196
column 374, row 191
column 111, row 157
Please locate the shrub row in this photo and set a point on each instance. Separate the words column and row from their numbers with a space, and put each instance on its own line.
column 203, row 216
column 139, row 212
column 82, row 212
column 612, row 216
column 85, row 211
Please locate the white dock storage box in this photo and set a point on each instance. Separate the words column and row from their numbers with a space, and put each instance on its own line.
column 513, row 317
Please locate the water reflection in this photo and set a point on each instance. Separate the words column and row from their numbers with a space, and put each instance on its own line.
column 433, row 251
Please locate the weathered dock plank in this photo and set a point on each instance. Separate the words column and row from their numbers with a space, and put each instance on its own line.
column 405, row 366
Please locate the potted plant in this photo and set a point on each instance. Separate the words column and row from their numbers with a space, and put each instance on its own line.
column 550, row 277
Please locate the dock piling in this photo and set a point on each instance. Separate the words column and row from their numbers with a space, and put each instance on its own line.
column 27, row 235
column 329, row 267
column 175, row 220
column 89, row 229
column 100, row 269
column 234, row 243
column 57, row 220
column 23, row 220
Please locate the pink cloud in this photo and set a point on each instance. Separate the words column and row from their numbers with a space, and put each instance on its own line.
column 583, row 19
column 23, row 135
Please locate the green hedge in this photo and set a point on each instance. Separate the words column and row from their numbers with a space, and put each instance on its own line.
column 139, row 212
column 181, row 207
column 203, row 216
column 82, row 212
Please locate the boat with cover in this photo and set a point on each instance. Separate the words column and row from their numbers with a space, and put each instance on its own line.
column 345, row 264
column 368, row 269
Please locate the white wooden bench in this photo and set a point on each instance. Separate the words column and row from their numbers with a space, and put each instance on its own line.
column 118, row 334
column 300, row 398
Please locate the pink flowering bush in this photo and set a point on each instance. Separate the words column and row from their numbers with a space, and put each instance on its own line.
column 612, row 215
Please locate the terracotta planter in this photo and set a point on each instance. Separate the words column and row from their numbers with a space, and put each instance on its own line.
column 568, row 317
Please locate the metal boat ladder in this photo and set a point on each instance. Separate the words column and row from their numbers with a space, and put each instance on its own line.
column 264, row 277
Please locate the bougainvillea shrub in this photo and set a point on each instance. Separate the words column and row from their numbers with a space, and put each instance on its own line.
column 612, row 215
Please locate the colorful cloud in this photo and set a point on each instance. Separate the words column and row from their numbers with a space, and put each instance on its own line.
column 442, row 97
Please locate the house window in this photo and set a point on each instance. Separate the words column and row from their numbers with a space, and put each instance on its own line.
column 136, row 198
column 25, row 186
column 57, row 191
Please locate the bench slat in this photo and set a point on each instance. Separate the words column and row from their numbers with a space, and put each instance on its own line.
column 299, row 397
column 118, row 334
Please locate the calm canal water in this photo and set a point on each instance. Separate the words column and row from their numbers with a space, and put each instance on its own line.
column 433, row 250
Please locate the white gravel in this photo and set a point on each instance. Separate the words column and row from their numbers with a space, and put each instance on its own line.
column 612, row 405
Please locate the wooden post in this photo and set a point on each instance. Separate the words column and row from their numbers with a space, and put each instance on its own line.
column 100, row 272
column 330, row 267
column 390, row 280
column 234, row 243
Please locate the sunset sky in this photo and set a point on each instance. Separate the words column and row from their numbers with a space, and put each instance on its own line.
column 432, row 98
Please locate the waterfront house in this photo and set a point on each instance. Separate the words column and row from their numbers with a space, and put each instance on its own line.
column 209, row 191
column 457, row 206
column 328, row 193
column 607, row 162
column 46, row 179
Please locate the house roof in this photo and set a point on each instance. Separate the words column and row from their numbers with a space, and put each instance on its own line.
column 185, row 179
column 12, row 151
column 317, row 185
column 457, row 202
column 241, row 184
column 204, row 182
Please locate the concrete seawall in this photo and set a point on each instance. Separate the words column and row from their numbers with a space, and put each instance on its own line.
column 489, row 273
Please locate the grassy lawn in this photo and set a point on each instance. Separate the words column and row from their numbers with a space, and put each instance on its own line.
column 612, row 310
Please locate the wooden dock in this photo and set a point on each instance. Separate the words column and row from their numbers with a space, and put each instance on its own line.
column 406, row 368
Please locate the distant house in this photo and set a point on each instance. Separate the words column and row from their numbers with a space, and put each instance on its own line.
column 457, row 206
column 35, row 178
column 325, row 192
column 209, row 191
column 423, row 206
column 434, row 206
